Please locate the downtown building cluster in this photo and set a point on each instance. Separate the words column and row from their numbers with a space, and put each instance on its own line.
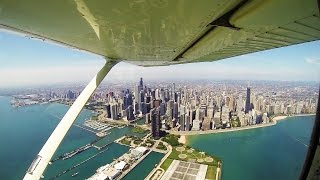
column 199, row 106
column 186, row 109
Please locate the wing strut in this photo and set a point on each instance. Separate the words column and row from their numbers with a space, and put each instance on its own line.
column 41, row 161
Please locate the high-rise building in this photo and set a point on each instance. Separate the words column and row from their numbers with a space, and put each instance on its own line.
column 162, row 95
column 143, row 108
column 141, row 83
column 173, row 91
column 130, row 115
column 156, row 103
column 136, row 108
column 187, row 119
column 176, row 97
column 248, row 104
column 210, row 112
column 162, row 109
column 148, row 118
column 70, row 95
column 196, row 125
column 141, row 96
column 148, row 99
column 128, row 100
column 181, row 122
column 148, row 107
column 157, row 94
column 175, row 110
column 136, row 93
column 206, row 124
column 114, row 112
column 170, row 109
column 166, row 95
column 156, row 123
column 108, row 111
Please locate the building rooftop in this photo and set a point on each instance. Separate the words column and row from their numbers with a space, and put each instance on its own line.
column 120, row 165
column 111, row 172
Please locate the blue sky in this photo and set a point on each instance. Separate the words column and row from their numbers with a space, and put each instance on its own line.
column 25, row 61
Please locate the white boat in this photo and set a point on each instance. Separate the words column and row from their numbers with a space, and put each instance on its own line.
column 75, row 174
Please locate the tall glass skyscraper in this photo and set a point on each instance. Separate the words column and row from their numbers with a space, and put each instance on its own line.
column 248, row 104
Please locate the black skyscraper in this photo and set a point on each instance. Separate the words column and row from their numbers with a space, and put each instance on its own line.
column 108, row 109
column 156, row 123
column 130, row 115
column 141, row 83
column 248, row 104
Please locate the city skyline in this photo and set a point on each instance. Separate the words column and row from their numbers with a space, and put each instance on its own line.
column 167, row 111
column 35, row 63
column 190, row 108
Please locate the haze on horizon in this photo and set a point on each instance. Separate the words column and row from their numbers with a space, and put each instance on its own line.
column 29, row 62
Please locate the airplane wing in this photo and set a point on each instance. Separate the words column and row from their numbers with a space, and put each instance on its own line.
column 165, row 32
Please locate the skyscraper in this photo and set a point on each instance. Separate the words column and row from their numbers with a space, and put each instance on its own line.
column 114, row 112
column 108, row 109
column 156, row 103
column 130, row 115
column 155, row 123
column 141, row 83
column 182, row 122
column 173, row 90
column 187, row 122
column 136, row 93
column 248, row 104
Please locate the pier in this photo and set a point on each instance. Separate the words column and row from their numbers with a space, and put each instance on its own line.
column 82, row 162
column 77, row 151
column 84, row 128
column 124, row 173
column 97, row 147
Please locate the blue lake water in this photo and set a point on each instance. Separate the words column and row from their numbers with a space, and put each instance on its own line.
column 24, row 131
column 275, row 152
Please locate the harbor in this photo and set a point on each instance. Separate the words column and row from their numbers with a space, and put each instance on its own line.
column 82, row 162
column 100, row 145
column 81, row 149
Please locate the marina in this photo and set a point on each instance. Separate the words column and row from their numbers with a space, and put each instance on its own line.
column 84, row 128
column 101, row 128
column 97, row 125
column 82, row 162
column 77, row 151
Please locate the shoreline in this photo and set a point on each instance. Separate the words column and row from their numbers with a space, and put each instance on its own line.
column 184, row 139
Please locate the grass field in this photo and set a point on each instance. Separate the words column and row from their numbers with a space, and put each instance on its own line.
column 193, row 155
column 185, row 153
column 139, row 130
column 165, row 165
column 211, row 172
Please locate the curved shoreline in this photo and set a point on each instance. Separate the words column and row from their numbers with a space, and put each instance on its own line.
column 183, row 139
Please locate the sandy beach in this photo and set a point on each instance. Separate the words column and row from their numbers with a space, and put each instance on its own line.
column 278, row 118
column 182, row 139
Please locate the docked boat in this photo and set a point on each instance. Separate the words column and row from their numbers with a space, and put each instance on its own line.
column 75, row 174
